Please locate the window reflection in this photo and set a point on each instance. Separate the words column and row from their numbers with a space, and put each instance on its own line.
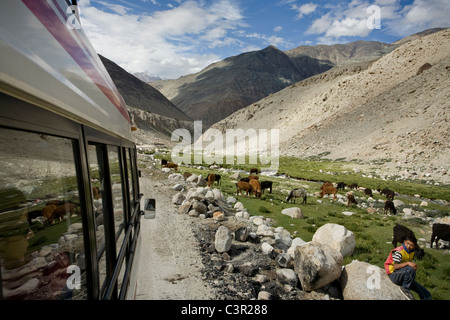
column 41, row 231
column 97, row 172
column 118, row 201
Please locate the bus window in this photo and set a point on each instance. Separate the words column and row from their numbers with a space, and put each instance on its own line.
column 100, row 204
column 131, row 178
column 41, row 230
column 118, row 200
column 117, row 193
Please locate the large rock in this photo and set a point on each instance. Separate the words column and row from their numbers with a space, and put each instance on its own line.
column 337, row 237
column 294, row 213
column 317, row 265
column 223, row 239
column 363, row 281
column 192, row 178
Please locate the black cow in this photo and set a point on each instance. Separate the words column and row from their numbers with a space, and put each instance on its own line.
column 401, row 233
column 440, row 231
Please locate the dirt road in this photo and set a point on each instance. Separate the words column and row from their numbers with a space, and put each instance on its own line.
column 170, row 262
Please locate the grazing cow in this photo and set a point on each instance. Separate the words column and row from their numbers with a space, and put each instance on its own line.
column 47, row 212
column 266, row 185
column 62, row 210
column 244, row 186
column 254, row 170
column 368, row 192
column 211, row 178
column 400, row 233
column 297, row 193
column 171, row 165
column 441, row 231
column 33, row 215
column 163, row 162
column 326, row 189
column 389, row 206
column 341, row 185
column 350, row 199
column 256, row 185
column 325, row 185
column 389, row 194
column 353, row 186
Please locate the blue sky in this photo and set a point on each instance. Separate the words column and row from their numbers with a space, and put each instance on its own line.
column 178, row 37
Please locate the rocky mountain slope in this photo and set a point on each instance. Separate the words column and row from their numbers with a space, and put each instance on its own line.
column 339, row 54
column 394, row 110
column 138, row 94
column 236, row 82
column 151, row 112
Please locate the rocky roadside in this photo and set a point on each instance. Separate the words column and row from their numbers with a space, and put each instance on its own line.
column 244, row 258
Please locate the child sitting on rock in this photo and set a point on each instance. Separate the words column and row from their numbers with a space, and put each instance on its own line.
column 402, row 271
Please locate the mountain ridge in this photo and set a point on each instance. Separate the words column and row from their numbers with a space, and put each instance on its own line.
column 393, row 110
column 238, row 81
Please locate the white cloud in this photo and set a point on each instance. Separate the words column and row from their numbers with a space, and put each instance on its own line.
column 305, row 9
column 278, row 29
column 349, row 19
column 269, row 40
column 421, row 15
column 162, row 43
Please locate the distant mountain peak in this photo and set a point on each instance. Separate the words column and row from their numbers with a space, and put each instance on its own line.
column 146, row 76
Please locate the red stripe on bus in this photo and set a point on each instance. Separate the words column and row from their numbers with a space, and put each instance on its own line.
column 46, row 15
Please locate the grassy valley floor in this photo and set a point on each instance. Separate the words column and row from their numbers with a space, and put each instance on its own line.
column 425, row 202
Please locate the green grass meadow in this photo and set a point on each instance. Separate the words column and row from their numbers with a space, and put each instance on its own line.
column 373, row 231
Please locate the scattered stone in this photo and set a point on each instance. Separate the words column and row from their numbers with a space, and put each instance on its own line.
column 218, row 216
column 317, row 265
column 241, row 234
column 266, row 248
column 287, row 276
column 178, row 198
column 264, row 295
column 248, row 269
column 294, row 213
column 337, row 237
column 223, row 239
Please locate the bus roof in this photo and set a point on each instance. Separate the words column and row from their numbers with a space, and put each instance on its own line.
column 46, row 59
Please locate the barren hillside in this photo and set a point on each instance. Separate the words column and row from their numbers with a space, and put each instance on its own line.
column 386, row 110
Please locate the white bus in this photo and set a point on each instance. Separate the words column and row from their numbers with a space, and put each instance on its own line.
column 70, row 205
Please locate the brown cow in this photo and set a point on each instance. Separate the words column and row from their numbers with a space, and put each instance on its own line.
column 244, row 186
column 211, row 178
column 326, row 184
column 256, row 187
column 62, row 210
column 171, row 165
column 255, row 170
column 47, row 212
column 350, row 199
column 328, row 190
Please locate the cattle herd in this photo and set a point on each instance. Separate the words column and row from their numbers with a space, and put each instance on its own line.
column 252, row 186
